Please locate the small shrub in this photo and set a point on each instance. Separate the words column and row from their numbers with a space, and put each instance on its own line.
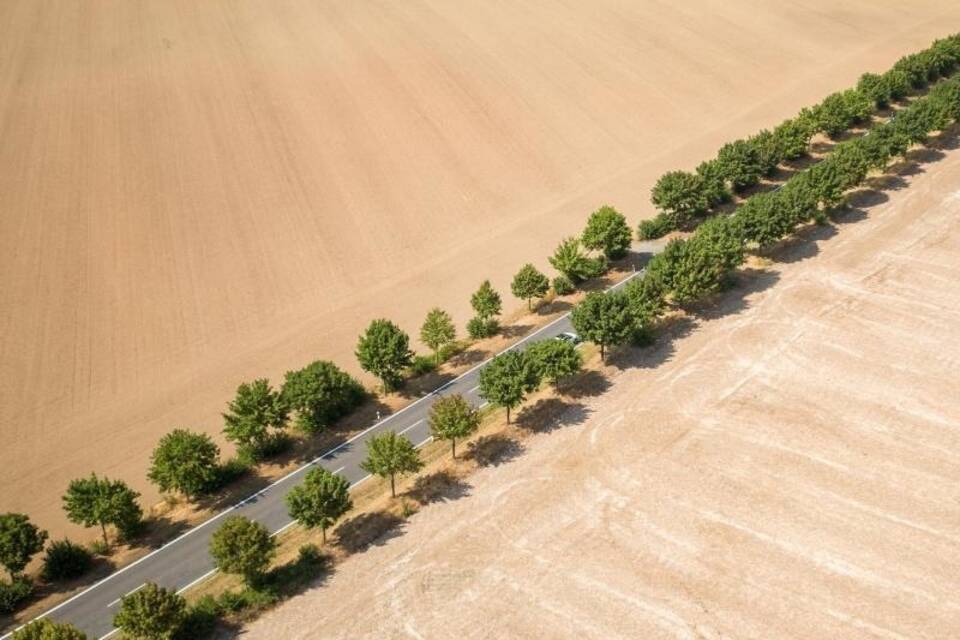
column 656, row 227
column 247, row 600
column 478, row 328
column 422, row 365
column 231, row 469
column 562, row 286
column 450, row 349
column 99, row 548
column 66, row 560
column 310, row 554
column 597, row 267
column 200, row 619
column 14, row 593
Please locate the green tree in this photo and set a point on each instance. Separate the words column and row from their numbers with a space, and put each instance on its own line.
column 486, row 301
column 251, row 414
column 320, row 500
column 793, row 138
column 645, row 303
column 507, row 379
column 691, row 269
column 529, row 283
column 603, row 318
column 437, row 331
column 452, row 417
column 570, row 260
column 555, row 360
column 20, row 540
column 384, row 351
column 740, row 164
column 763, row 219
column 96, row 501
column 390, row 455
column 714, row 183
column 876, row 88
column 186, row 462
column 242, row 547
column 151, row 613
column 840, row 110
column 681, row 196
column 897, row 84
column 607, row 231
column 320, row 393
column 769, row 153
column 46, row 629
column 65, row 560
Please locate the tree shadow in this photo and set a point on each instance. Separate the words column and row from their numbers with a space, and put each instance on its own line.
column 440, row 486
column 668, row 332
column 866, row 197
column 515, row 330
column 160, row 530
column 584, row 385
column 554, row 306
column 804, row 244
column 550, row 414
column 308, row 570
column 468, row 357
column 886, row 182
column 735, row 299
column 362, row 531
column 493, row 450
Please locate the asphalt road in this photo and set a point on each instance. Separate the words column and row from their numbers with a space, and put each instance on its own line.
column 184, row 561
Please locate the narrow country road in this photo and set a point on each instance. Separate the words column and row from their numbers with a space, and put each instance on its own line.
column 184, row 561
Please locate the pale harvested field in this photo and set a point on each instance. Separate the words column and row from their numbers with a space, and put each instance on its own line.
column 197, row 193
column 790, row 469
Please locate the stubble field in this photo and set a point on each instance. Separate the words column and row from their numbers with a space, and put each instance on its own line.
column 196, row 194
column 783, row 465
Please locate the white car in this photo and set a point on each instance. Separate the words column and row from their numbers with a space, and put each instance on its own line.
column 569, row 336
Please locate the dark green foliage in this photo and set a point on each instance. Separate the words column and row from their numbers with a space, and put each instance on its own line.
column 453, row 418
column 384, row 351
column 100, row 501
column 570, row 260
column 714, row 182
column 422, row 365
column 556, row 360
column 14, row 593
column 946, row 99
column 607, row 231
column 798, row 200
column 699, row 266
column 793, row 137
column 680, row 196
column 200, row 619
column 876, row 88
column 390, row 455
column 656, row 227
column 917, row 68
column 739, row 162
column 46, row 629
column 883, row 143
column 20, row 540
column 897, row 84
column 65, row 560
column 320, row 393
column 247, row 600
column 151, row 613
column 763, row 220
column 186, row 462
column 251, row 414
column 604, row 319
column 437, row 331
column 486, row 301
column 768, row 151
column 645, row 301
column 320, row 500
column 839, row 111
column 478, row 328
column 562, row 285
column 530, row 283
column 242, row 547
column 507, row 379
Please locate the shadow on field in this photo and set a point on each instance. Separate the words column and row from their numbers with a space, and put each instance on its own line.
column 668, row 332
column 554, row 306
column 550, row 414
column 361, row 532
column 440, row 486
column 512, row 331
column 493, row 450
column 735, row 299
column 585, row 384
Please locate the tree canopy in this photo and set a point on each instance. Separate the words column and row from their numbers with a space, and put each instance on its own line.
column 47, row 629
column 185, row 461
column 529, row 283
column 242, row 547
column 384, row 351
column 320, row 500
column 250, row 415
column 96, row 501
column 437, row 331
column 320, row 393
column 151, row 613
column 452, row 418
column 555, row 360
column 681, row 196
column 570, row 260
column 603, row 318
column 20, row 540
column 390, row 455
column 607, row 231
column 507, row 379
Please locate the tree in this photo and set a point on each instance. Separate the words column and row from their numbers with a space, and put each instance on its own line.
column 437, row 331
column 66, row 560
column 569, row 259
column 486, row 301
column 186, row 462
column 607, row 231
column 876, row 88
column 320, row 500
column 645, row 302
column 390, row 455
column 603, row 318
column 46, row 629
column 452, row 417
column 840, row 110
column 714, row 183
column 897, row 83
column 20, row 540
column 739, row 163
column 555, row 360
column 763, row 219
column 681, row 196
column 255, row 409
column 320, row 393
column 769, row 153
column 691, row 269
column 151, row 613
column 242, row 547
column 529, row 283
column 793, row 138
column 100, row 501
column 384, row 351
column 507, row 379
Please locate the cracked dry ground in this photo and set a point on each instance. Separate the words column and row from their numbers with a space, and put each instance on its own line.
column 786, row 469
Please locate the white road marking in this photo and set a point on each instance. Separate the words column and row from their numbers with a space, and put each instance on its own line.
column 410, row 427
column 127, row 594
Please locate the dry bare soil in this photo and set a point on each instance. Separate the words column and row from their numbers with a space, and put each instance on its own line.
column 194, row 194
column 785, row 466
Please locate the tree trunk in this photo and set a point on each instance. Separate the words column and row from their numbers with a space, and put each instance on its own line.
column 529, row 304
column 436, row 357
column 508, row 415
column 393, row 486
column 323, row 534
column 453, row 443
column 103, row 528
column 601, row 352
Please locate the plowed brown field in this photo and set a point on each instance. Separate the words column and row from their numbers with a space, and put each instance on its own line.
column 193, row 194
